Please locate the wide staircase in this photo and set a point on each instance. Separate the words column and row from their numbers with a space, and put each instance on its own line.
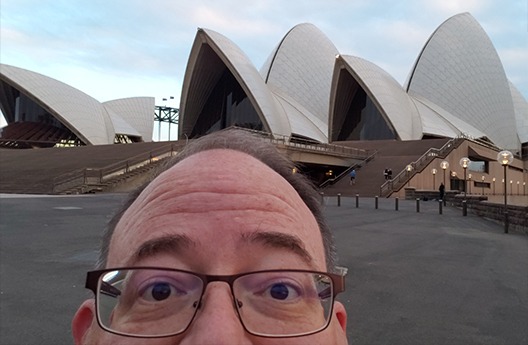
column 48, row 170
column 390, row 154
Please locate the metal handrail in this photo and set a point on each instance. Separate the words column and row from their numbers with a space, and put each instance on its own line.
column 95, row 176
column 347, row 170
column 307, row 145
column 404, row 176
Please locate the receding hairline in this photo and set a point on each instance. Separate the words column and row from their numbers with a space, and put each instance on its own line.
column 258, row 148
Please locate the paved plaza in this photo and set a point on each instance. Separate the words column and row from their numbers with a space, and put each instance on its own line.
column 414, row 278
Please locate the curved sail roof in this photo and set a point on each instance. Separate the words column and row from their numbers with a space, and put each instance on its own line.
column 94, row 123
column 301, row 67
column 134, row 113
column 457, row 87
column 82, row 114
column 460, row 71
column 203, row 70
column 521, row 113
column 388, row 95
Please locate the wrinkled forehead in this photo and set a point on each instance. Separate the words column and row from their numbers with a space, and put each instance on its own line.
column 216, row 174
column 219, row 170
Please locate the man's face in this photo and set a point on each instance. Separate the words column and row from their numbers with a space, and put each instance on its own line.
column 225, row 213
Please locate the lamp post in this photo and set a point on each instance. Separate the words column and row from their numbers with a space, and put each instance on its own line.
column 433, row 171
column 483, row 179
column 511, row 187
column 524, row 188
column 505, row 158
column 464, row 163
column 409, row 168
column 444, row 165
column 518, row 187
column 493, row 186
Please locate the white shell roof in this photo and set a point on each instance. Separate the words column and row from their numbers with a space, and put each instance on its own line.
column 460, row 71
column 82, row 114
column 301, row 66
column 136, row 114
column 437, row 121
column 120, row 125
column 521, row 113
column 392, row 101
column 302, row 121
column 194, row 85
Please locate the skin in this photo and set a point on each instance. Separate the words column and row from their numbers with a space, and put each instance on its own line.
column 217, row 201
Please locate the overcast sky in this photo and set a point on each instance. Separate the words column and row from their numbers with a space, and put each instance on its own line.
column 122, row 48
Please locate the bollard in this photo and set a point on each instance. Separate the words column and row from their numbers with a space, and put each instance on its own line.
column 376, row 202
column 396, row 203
column 440, row 203
column 357, row 200
column 506, row 222
column 338, row 199
column 417, row 204
column 464, row 208
column 322, row 198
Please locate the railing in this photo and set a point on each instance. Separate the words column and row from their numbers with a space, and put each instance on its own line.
column 404, row 176
column 98, row 176
column 329, row 149
column 347, row 170
column 479, row 141
column 309, row 146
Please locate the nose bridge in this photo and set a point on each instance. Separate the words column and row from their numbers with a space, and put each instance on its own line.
column 214, row 286
column 217, row 319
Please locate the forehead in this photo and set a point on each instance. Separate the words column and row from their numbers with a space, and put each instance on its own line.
column 215, row 195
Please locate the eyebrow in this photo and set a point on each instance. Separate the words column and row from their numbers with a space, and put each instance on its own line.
column 169, row 244
column 281, row 241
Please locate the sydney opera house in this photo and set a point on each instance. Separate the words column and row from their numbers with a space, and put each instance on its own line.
column 44, row 112
column 306, row 90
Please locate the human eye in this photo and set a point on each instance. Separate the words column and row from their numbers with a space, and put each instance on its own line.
column 150, row 287
column 275, row 288
column 160, row 290
column 282, row 291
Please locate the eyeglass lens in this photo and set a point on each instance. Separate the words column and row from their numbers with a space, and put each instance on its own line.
column 162, row 302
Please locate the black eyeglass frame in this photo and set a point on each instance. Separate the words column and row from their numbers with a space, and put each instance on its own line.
column 92, row 283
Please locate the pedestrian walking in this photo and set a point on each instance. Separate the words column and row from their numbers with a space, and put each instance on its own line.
column 353, row 177
column 441, row 189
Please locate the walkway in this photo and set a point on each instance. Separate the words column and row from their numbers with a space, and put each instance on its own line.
column 426, row 278
column 414, row 278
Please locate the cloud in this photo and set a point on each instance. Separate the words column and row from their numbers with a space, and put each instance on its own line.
column 151, row 40
column 450, row 7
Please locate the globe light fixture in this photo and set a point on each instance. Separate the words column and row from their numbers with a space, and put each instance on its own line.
column 494, row 179
column 444, row 165
column 505, row 158
column 464, row 163
column 408, row 168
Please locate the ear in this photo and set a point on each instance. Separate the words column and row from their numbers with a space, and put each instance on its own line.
column 341, row 315
column 83, row 320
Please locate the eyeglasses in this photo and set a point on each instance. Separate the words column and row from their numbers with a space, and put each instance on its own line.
column 151, row 302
